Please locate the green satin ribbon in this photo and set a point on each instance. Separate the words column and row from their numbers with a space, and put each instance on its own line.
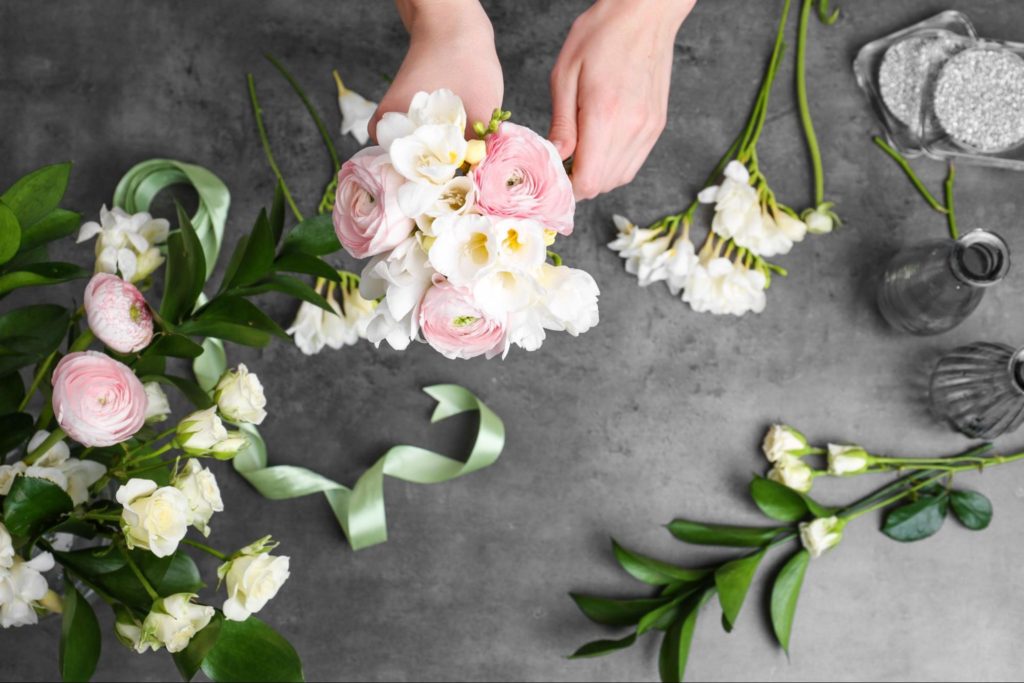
column 360, row 510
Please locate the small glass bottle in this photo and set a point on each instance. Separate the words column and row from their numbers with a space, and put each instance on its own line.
column 932, row 287
column 979, row 389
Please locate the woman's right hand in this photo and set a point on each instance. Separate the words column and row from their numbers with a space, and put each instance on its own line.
column 451, row 46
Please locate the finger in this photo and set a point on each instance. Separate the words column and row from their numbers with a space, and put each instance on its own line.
column 564, row 110
column 590, row 164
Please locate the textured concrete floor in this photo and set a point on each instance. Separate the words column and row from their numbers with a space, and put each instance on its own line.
column 654, row 414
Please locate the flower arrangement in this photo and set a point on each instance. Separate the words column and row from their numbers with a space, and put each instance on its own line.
column 98, row 483
column 730, row 274
column 915, row 507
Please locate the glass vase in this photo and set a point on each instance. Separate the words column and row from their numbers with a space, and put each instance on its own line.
column 979, row 389
column 932, row 287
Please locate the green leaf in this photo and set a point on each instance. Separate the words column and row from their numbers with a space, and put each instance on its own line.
column 277, row 213
column 37, row 193
column 599, row 648
column 111, row 574
column 732, row 580
column 252, row 651
column 192, row 391
column 34, row 330
column 186, row 267
column 972, row 509
column 55, row 225
column 675, row 647
column 39, row 274
column 233, row 318
column 615, row 612
column 313, row 236
column 917, row 520
column 297, row 262
column 726, row 536
column 10, row 234
column 235, row 263
column 785, row 593
column 12, row 391
column 660, row 618
column 80, row 637
column 209, row 367
column 15, row 429
column 175, row 345
column 34, row 505
column 191, row 658
column 258, row 260
column 654, row 572
column 286, row 285
column 777, row 501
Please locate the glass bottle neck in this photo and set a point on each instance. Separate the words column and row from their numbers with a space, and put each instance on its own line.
column 980, row 258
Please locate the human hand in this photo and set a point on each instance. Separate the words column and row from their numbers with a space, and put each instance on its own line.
column 451, row 45
column 609, row 89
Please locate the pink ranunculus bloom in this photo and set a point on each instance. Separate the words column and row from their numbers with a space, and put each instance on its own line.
column 118, row 314
column 366, row 214
column 522, row 177
column 98, row 401
column 453, row 323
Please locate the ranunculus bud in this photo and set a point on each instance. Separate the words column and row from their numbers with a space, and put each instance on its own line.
column 793, row 472
column 821, row 534
column 253, row 579
column 844, row 460
column 158, row 408
column 118, row 314
column 200, row 488
column 782, row 440
column 173, row 622
column 239, row 396
column 153, row 518
column 97, row 400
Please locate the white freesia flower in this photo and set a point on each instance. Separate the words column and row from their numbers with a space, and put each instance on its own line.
column 821, row 534
column 8, row 473
column 723, row 287
column 526, row 329
column 441, row 107
column 6, row 549
column 781, row 441
column 428, row 159
column 153, row 518
column 127, row 243
column 792, row 472
column 54, row 456
column 71, row 474
column 680, row 263
column 22, row 587
column 308, row 329
column 350, row 320
column 737, row 205
column 457, row 196
column 239, row 396
column 173, row 622
column 203, row 432
column 466, row 246
column 570, row 299
column 202, row 494
column 158, row 408
column 356, row 112
column 641, row 250
column 81, row 474
column 401, row 277
column 252, row 579
column 844, row 460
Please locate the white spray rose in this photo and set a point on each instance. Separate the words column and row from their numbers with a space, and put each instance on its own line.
column 844, row 460
column 153, row 518
column 252, row 579
column 128, row 630
column 158, row 408
column 821, row 534
column 203, row 432
column 793, row 473
column 781, row 441
column 22, row 587
column 173, row 622
column 239, row 396
column 200, row 488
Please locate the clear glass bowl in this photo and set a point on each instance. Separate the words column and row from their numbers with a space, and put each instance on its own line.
column 979, row 389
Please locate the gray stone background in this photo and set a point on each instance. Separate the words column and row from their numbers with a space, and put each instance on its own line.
column 656, row 413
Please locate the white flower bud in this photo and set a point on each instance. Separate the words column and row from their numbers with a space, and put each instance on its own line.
column 158, row 408
column 782, row 440
column 821, row 534
column 793, row 473
column 173, row 621
column 846, row 460
column 239, row 396
column 200, row 488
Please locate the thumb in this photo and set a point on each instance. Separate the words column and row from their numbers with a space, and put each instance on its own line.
column 563, row 116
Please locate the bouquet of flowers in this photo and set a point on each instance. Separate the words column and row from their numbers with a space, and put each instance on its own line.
column 458, row 233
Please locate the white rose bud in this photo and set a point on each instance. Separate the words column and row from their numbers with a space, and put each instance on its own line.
column 782, row 440
column 200, row 488
column 239, row 396
column 229, row 447
column 821, row 534
column 173, row 621
column 157, row 406
column 128, row 630
column 252, row 579
column 154, row 518
column 846, row 460
column 203, row 432
column 794, row 473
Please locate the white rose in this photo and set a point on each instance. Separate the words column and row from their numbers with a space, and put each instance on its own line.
column 794, row 473
column 22, row 586
column 570, row 299
column 6, row 548
column 200, row 488
column 173, row 622
column 844, row 460
column 128, row 630
column 356, row 112
column 158, row 408
column 154, row 518
column 252, row 581
column 239, row 396
column 782, row 440
column 821, row 534
column 203, row 432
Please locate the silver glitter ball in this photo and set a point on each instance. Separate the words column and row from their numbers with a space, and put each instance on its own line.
column 979, row 99
column 908, row 71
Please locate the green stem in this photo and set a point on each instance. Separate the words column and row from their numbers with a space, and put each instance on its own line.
column 37, row 380
column 802, row 101
column 140, row 576
column 309, row 107
column 82, row 342
column 40, row 450
column 265, row 141
column 889, row 501
column 898, row 158
column 149, row 456
column 950, row 203
column 148, row 468
column 205, row 548
column 103, row 516
column 162, row 435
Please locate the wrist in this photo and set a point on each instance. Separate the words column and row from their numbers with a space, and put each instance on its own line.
column 663, row 17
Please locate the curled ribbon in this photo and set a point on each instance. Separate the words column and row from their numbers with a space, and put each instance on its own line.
column 360, row 510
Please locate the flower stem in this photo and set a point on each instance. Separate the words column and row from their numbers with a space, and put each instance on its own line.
column 37, row 380
column 139, row 575
column 950, row 203
column 805, row 110
column 205, row 548
column 309, row 107
column 258, row 113
column 40, row 450
column 899, row 159
column 149, row 456
column 82, row 342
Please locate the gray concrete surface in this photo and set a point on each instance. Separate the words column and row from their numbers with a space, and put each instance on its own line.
column 656, row 413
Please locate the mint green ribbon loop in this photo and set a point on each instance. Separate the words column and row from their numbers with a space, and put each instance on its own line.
column 360, row 510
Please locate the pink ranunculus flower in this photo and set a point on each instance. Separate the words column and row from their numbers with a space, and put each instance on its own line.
column 522, row 177
column 366, row 214
column 98, row 401
column 118, row 314
column 453, row 323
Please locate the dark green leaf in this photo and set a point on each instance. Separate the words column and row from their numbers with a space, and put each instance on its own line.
column 37, row 193
column 972, row 509
column 176, row 345
column 35, row 330
column 785, row 593
column 235, row 263
column 615, row 612
column 660, row 618
column 15, row 429
column 654, row 572
column 778, row 501
column 186, row 267
column 33, row 505
column 314, row 236
column 192, row 391
column 286, row 285
column 237, row 311
column 252, row 651
column 917, row 520
column 10, row 234
column 239, row 334
column 92, row 563
column 277, row 213
column 258, row 258
column 603, row 647
column 41, row 274
column 732, row 580
column 191, row 658
column 297, row 262
column 675, row 648
column 79, row 637
column 168, row 575
column 56, row 225
column 726, row 536
column 28, row 257
column 12, row 391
